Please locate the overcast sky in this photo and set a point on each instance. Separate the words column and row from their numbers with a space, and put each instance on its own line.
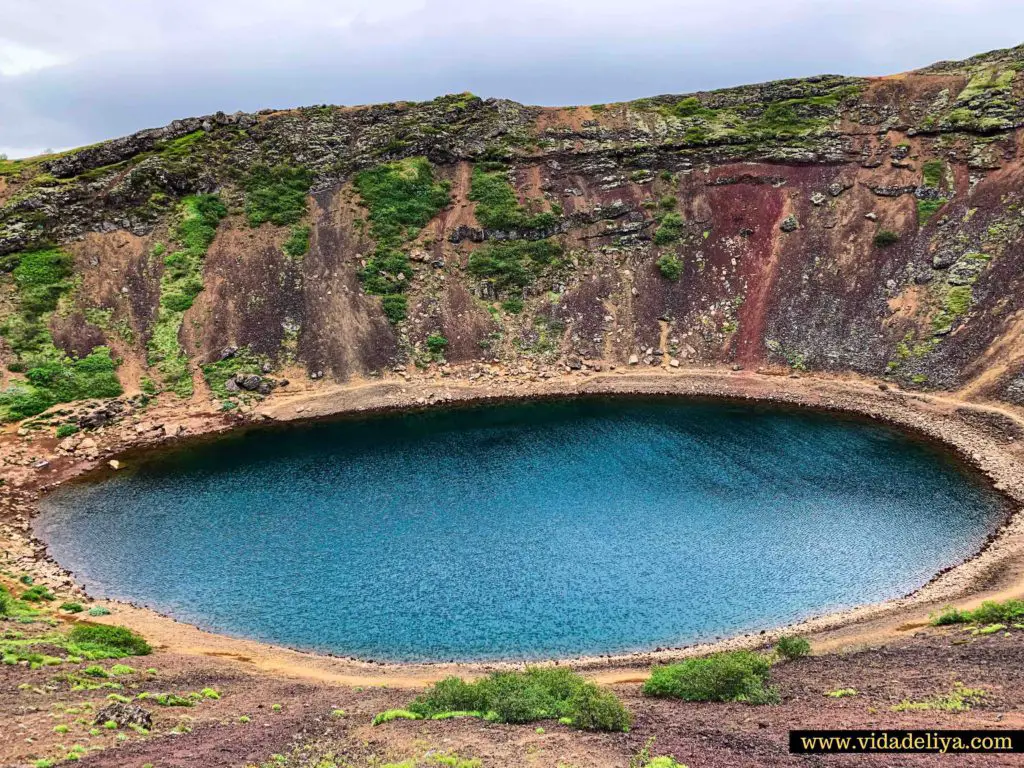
column 73, row 72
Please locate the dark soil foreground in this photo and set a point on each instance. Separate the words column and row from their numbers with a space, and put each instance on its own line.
column 264, row 720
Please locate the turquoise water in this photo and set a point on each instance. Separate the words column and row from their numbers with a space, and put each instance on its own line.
column 552, row 528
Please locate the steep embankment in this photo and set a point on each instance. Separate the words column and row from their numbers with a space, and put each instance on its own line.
column 834, row 224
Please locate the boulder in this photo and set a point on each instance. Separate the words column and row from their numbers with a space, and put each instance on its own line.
column 790, row 223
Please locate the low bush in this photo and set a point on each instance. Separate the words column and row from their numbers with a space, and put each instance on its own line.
column 885, row 238
column 526, row 697
column 670, row 229
column 989, row 612
column 110, row 640
column 792, row 647
column 37, row 594
column 671, row 266
column 733, row 676
column 66, row 430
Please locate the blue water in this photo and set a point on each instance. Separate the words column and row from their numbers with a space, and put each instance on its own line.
column 521, row 531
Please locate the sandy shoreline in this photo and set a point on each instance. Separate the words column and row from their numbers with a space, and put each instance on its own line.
column 991, row 438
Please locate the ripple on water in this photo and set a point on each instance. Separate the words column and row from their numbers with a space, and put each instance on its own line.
column 520, row 531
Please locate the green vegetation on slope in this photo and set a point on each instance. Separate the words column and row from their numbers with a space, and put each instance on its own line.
column 514, row 264
column 990, row 612
column 41, row 278
column 748, row 121
column 218, row 373
column 497, row 206
column 521, row 697
column 182, row 280
column 401, row 197
column 276, row 194
column 733, row 676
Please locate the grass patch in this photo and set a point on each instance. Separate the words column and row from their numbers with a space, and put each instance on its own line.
column 841, row 693
column 401, row 197
column 934, row 173
column 523, row 697
column 928, row 208
column 41, row 279
column 217, row 373
column 733, row 676
column 182, row 280
column 989, row 612
column 508, row 265
column 497, row 206
column 960, row 699
column 276, row 194
column 113, row 641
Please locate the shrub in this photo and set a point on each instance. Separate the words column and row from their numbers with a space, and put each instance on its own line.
column 733, row 676
column 792, row 647
column 670, row 229
column 297, row 244
column 671, row 266
column 6, row 602
column 66, row 430
column 394, row 306
column 989, row 612
column 525, row 697
column 99, row 610
column 885, row 238
column 113, row 640
column 37, row 594
column 436, row 343
column 95, row 670
column 513, row 305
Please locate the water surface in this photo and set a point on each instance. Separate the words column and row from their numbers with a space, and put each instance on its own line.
column 553, row 528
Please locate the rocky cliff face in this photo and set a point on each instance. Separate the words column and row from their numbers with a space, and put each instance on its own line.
column 826, row 224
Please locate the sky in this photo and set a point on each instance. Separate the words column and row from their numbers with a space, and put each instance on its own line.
column 74, row 72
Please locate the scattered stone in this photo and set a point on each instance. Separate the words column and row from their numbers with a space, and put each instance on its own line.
column 872, row 216
column 634, row 359
column 124, row 715
column 790, row 223
column 114, row 464
column 818, row 199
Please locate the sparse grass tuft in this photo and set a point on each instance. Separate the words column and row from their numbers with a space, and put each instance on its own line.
column 960, row 699
column 884, row 238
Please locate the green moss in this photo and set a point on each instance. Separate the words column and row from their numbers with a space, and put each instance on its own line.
column 276, row 194
column 182, row 280
column 514, row 264
column 497, row 206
